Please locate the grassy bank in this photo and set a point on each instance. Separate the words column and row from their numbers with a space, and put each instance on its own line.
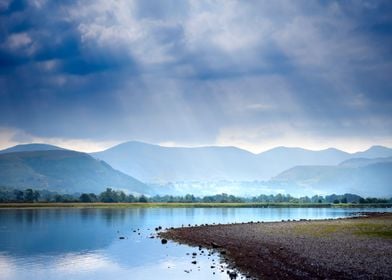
column 188, row 205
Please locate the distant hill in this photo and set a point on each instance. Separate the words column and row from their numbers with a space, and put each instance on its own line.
column 202, row 169
column 276, row 160
column 30, row 148
column 374, row 152
column 63, row 171
column 153, row 163
column 354, row 176
column 358, row 162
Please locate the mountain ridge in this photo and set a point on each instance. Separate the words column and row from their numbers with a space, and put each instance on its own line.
column 154, row 163
column 364, row 179
column 64, row 171
column 30, row 147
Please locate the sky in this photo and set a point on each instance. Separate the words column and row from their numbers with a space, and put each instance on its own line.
column 89, row 74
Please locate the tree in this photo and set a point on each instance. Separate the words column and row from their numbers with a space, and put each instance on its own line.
column 108, row 196
column 343, row 200
column 131, row 198
column 143, row 199
column 84, row 197
column 122, row 197
column 19, row 195
column 58, row 198
column 189, row 198
column 28, row 195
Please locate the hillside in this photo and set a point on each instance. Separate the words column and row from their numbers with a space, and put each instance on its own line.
column 63, row 171
column 30, row 148
column 358, row 162
column 373, row 179
column 153, row 163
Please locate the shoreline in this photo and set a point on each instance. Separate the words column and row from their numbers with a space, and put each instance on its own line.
column 23, row 205
column 345, row 248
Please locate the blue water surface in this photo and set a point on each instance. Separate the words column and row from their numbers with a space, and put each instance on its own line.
column 64, row 243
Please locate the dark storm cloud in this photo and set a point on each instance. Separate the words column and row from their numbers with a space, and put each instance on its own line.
column 195, row 71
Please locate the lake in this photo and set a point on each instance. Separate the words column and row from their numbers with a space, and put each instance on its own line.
column 62, row 243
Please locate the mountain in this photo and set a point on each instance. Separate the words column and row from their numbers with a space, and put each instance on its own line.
column 153, row 163
column 30, row 148
column 63, row 171
column 372, row 178
column 358, row 162
column 374, row 152
column 276, row 160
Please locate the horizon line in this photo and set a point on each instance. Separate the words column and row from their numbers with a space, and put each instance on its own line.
column 163, row 145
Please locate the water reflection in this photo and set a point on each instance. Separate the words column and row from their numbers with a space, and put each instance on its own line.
column 84, row 243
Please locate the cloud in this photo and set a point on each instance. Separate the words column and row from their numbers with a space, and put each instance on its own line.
column 189, row 71
column 11, row 137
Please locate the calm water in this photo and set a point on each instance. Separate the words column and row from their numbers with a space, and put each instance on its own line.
column 85, row 244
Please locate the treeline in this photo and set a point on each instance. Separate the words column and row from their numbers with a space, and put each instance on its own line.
column 111, row 195
column 30, row 195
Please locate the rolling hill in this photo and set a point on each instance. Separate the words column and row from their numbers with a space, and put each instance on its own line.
column 358, row 162
column 153, row 163
column 63, row 171
column 360, row 176
column 30, row 148
column 203, row 169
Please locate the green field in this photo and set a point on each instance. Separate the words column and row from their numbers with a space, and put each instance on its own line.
column 186, row 205
column 371, row 227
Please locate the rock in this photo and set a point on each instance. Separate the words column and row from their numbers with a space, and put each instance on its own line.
column 163, row 241
column 232, row 274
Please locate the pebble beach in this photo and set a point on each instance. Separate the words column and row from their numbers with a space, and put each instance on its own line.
column 351, row 248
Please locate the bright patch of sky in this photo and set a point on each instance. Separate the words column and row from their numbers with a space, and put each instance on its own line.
column 254, row 74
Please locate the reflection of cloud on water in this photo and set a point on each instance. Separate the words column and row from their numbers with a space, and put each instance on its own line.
column 7, row 268
column 77, row 263
column 98, row 266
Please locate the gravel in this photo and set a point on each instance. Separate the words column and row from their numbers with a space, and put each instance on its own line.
column 356, row 248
